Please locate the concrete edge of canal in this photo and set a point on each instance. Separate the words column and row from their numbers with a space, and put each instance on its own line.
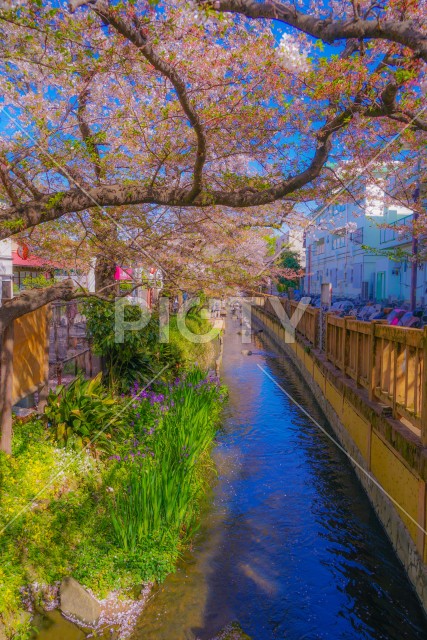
column 373, row 442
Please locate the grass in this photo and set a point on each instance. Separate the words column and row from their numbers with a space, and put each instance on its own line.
column 114, row 521
column 160, row 496
column 190, row 352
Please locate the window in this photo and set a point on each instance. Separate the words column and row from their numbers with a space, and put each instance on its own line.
column 338, row 242
column 357, row 236
column 320, row 246
column 387, row 235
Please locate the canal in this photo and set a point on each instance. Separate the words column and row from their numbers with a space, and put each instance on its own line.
column 289, row 546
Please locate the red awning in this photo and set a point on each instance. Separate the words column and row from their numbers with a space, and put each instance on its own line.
column 34, row 262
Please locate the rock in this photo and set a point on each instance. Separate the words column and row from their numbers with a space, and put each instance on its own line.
column 246, row 352
column 232, row 631
column 79, row 603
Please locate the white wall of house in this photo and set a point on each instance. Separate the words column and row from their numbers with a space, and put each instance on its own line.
column 6, row 266
column 342, row 244
column 294, row 239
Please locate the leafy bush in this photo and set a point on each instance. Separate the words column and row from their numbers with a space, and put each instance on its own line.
column 38, row 282
column 141, row 356
column 190, row 352
column 83, row 415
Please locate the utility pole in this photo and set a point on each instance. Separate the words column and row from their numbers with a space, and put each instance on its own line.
column 414, row 270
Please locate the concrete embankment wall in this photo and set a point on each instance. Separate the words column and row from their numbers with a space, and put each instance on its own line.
column 387, row 452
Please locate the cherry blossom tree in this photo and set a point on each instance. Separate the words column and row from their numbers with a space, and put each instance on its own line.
column 176, row 131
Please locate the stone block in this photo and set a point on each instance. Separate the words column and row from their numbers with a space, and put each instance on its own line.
column 78, row 602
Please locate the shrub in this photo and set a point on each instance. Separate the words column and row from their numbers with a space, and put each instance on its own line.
column 141, row 356
column 83, row 415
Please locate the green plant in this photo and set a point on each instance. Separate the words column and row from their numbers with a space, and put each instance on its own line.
column 112, row 524
column 38, row 282
column 290, row 261
column 141, row 356
column 82, row 415
column 166, row 476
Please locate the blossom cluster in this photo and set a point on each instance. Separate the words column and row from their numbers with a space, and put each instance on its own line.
column 292, row 57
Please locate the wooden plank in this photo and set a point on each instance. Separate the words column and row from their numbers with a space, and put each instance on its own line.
column 403, row 335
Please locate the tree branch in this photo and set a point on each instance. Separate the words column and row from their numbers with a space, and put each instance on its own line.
column 328, row 30
column 85, row 131
column 137, row 36
column 31, row 300
column 51, row 207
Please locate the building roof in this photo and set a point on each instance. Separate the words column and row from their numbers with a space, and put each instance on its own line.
column 34, row 262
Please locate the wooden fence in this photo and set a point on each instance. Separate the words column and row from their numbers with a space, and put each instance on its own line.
column 389, row 362
column 30, row 353
column 25, row 342
column 307, row 323
column 303, row 318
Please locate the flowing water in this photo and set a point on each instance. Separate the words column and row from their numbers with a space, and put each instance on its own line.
column 290, row 546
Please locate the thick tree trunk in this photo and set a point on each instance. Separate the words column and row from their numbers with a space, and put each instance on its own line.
column 105, row 270
column 6, row 389
column 106, row 285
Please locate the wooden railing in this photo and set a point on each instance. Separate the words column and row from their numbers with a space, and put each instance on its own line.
column 305, row 319
column 391, row 362
column 399, row 376
column 308, row 324
column 348, row 343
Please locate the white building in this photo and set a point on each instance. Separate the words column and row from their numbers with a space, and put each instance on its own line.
column 362, row 251
column 294, row 240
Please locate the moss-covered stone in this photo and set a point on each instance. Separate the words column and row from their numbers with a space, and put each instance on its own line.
column 232, row 631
